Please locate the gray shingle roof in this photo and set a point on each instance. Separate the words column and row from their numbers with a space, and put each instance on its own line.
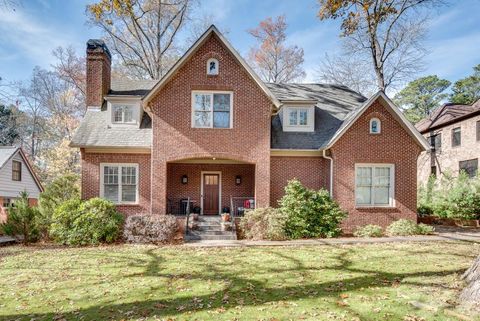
column 335, row 104
column 131, row 87
column 5, row 153
column 95, row 131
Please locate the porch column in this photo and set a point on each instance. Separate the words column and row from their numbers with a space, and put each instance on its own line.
column 262, row 183
column 159, row 187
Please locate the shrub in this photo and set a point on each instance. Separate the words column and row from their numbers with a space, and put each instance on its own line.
column 369, row 230
column 264, row 224
column 21, row 220
column 82, row 223
column 146, row 228
column 310, row 213
column 60, row 190
column 405, row 227
column 424, row 229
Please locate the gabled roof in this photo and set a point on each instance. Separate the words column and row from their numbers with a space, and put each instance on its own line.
column 8, row 152
column 447, row 114
column 212, row 30
column 355, row 114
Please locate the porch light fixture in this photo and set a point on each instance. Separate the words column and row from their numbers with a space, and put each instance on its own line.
column 184, row 179
column 238, row 180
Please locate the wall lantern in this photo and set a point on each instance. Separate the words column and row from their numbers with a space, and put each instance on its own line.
column 238, row 180
column 184, row 179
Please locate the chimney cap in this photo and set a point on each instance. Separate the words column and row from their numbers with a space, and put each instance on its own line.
column 93, row 44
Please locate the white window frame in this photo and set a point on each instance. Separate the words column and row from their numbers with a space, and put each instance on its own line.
column 208, row 67
column 120, row 165
column 379, row 124
column 309, row 127
column 129, row 105
column 391, row 203
column 211, row 93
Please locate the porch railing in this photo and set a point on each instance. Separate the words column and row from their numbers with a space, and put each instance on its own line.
column 238, row 205
column 187, row 215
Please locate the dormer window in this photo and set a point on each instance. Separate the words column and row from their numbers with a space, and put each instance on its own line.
column 122, row 114
column 212, row 67
column 298, row 119
column 375, row 126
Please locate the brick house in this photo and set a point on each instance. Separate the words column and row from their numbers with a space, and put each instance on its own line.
column 453, row 132
column 16, row 176
column 211, row 131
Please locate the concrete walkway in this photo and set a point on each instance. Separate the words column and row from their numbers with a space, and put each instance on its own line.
column 6, row 240
column 442, row 234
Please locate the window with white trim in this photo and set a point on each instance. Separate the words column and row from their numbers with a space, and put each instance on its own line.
column 375, row 126
column 119, row 183
column 374, row 184
column 299, row 119
column 212, row 66
column 122, row 114
column 212, row 110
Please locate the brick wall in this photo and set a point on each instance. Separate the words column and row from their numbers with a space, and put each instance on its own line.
column 313, row 172
column 175, row 139
column 447, row 158
column 91, row 178
column 176, row 190
column 394, row 146
column 98, row 76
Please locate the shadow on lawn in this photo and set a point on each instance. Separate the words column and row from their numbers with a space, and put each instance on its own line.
column 240, row 291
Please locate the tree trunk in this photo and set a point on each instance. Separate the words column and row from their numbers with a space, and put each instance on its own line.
column 471, row 294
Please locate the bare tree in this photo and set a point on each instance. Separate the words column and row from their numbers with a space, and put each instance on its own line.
column 199, row 25
column 142, row 33
column 388, row 33
column 273, row 60
column 346, row 71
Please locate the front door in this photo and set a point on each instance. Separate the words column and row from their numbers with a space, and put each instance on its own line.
column 211, row 193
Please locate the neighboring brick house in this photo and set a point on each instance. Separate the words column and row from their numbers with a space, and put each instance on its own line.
column 16, row 176
column 453, row 132
column 212, row 131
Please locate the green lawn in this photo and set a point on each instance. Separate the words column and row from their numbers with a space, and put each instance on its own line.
column 350, row 282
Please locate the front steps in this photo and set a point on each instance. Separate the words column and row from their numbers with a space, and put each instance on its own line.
column 209, row 228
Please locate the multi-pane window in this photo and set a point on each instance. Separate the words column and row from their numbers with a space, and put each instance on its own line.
column 212, row 110
column 469, row 166
column 122, row 114
column 298, row 116
column 456, row 137
column 120, row 183
column 16, row 171
column 374, row 185
column 436, row 142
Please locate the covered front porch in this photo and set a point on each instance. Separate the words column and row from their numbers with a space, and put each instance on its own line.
column 210, row 186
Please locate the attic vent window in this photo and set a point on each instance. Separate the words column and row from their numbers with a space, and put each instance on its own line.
column 212, row 67
column 375, row 126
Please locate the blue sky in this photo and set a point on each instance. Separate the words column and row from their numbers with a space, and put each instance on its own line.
column 36, row 27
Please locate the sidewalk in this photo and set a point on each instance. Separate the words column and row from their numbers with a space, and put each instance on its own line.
column 442, row 234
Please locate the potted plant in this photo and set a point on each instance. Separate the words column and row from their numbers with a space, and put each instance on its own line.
column 226, row 217
column 196, row 212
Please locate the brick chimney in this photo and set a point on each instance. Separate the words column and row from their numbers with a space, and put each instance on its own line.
column 99, row 61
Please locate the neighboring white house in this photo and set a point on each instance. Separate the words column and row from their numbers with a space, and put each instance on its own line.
column 16, row 175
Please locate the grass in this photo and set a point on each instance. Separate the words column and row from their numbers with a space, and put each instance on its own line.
column 398, row 281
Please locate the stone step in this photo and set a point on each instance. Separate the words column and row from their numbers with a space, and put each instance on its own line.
column 195, row 237
column 210, row 232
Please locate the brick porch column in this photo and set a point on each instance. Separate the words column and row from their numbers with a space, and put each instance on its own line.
column 262, row 183
column 159, row 187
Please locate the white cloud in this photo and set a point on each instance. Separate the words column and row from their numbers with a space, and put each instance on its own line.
column 28, row 38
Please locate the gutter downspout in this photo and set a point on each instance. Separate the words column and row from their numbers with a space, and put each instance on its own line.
column 324, row 155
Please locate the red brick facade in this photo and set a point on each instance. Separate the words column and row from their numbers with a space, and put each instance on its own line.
column 91, row 178
column 175, row 139
column 311, row 171
column 393, row 146
column 176, row 144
